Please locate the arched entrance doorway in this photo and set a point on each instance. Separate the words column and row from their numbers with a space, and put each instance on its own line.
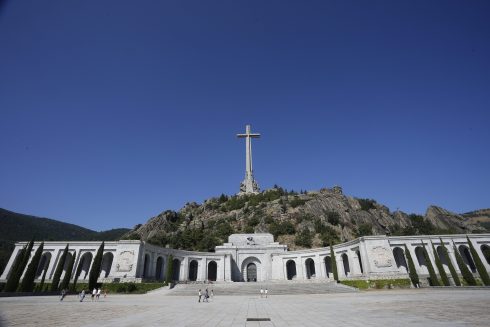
column 468, row 260
column 159, row 269
column 212, row 271
column 400, row 259
column 251, row 272
column 106, row 264
column 310, row 268
column 345, row 261
column 328, row 266
column 176, row 269
column 291, row 269
column 193, row 270
column 85, row 263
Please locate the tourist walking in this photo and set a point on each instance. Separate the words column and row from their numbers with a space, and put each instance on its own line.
column 200, row 294
column 82, row 295
column 63, row 294
column 261, row 293
column 98, row 294
column 206, row 295
column 93, row 294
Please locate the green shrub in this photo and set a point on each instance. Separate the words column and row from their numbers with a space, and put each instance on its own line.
column 366, row 204
column 333, row 217
column 364, row 230
column 479, row 264
column 304, row 238
column 282, row 228
column 378, row 283
column 296, row 202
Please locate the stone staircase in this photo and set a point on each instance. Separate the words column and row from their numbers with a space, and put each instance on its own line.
column 274, row 288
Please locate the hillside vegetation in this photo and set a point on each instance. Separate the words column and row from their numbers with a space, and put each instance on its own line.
column 15, row 227
column 300, row 220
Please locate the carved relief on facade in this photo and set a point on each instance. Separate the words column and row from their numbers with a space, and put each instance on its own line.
column 125, row 261
column 381, row 257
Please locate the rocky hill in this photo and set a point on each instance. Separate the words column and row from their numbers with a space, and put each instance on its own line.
column 300, row 220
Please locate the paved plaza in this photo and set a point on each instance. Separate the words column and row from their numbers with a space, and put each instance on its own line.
column 373, row 308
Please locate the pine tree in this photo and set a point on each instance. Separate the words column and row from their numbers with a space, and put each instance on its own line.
column 170, row 268
column 59, row 271
column 432, row 273
column 440, row 267
column 333, row 262
column 27, row 284
column 479, row 264
column 467, row 275
column 69, row 269
column 96, row 265
column 450, row 265
column 412, row 273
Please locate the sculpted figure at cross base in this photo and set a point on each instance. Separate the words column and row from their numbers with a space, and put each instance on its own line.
column 249, row 185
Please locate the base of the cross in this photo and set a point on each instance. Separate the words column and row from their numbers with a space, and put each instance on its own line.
column 249, row 186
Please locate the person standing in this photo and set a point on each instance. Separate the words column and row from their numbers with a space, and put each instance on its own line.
column 200, row 294
column 261, row 293
column 63, row 294
column 93, row 294
column 98, row 294
column 266, row 291
column 82, row 295
column 206, row 295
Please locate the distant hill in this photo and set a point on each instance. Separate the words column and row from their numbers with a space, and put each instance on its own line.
column 15, row 227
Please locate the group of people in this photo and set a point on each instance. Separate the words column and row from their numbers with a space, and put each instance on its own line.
column 95, row 294
column 205, row 296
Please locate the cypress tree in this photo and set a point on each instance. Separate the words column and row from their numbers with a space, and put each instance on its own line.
column 412, row 273
column 69, row 269
column 450, row 265
column 77, row 273
column 96, row 265
column 432, row 273
column 333, row 262
column 479, row 264
column 14, row 279
column 27, row 284
column 170, row 268
column 440, row 267
column 40, row 288
column 59, row 271
column 467, row 275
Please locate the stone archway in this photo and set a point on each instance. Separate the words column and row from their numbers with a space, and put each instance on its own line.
column 345, row 261
column 176, row 269
column 193, row 270
column 43, row 264
column 291, row 269
column 251, row 270
column 85, row 263
column 159, row 269
column 310, row 268
column 466, row 255
column 485, row 249
column 106, row 265
column 419, row 253
column 328, row 266
column 400, row 258
column 212, row 271
column 442, row 256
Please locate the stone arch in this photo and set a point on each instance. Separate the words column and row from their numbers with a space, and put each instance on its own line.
column 43, row 264
column 159, row 270
column 400, row 258
column 485, row 249
column 146, row 266
column 251, row 269
column 212, row 271
column 328, row 266
column 291, row 269
column 106, row 265
column 345, row 261
column 360, row 261
column 442, row 256
column 419, row 253
column 310, row 268
column 176, row 269
column 466, row 255
column 193, row 265
column 85, row 262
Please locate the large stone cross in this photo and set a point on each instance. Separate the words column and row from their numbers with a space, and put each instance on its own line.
column 249, row 185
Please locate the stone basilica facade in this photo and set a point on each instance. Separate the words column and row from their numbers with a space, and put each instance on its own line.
column 256, row 257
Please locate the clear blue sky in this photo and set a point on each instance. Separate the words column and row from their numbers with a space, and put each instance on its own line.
column 113, row 111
